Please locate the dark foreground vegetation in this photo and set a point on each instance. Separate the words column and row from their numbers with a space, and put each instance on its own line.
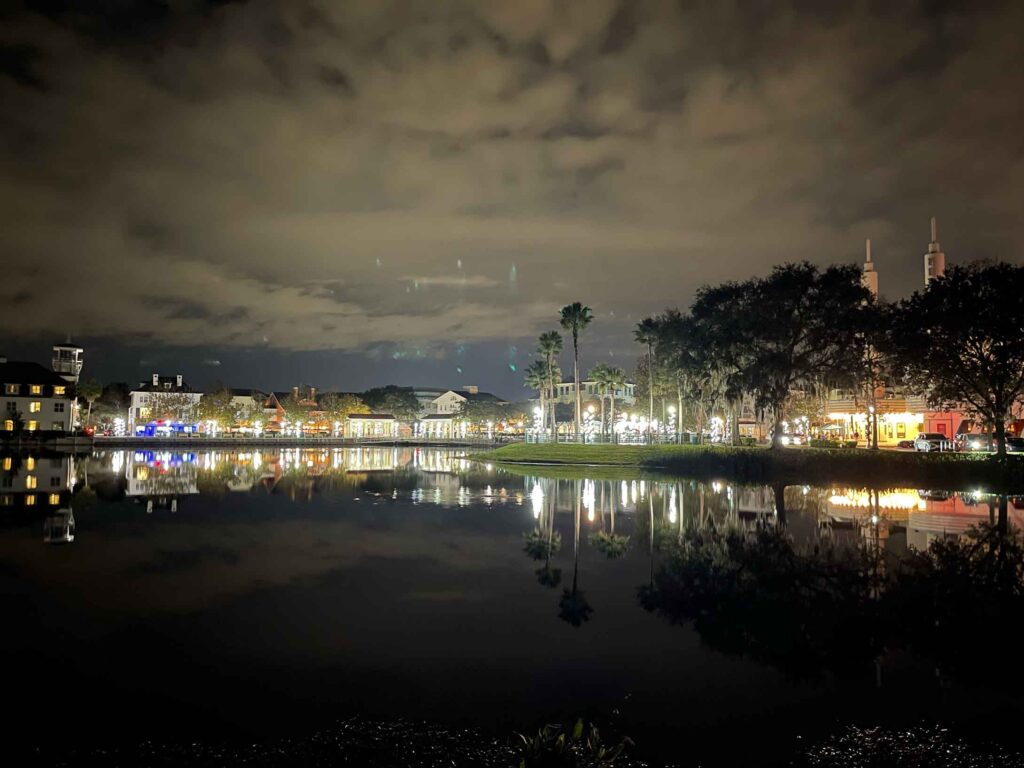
column 402, row 744
column 949, row 471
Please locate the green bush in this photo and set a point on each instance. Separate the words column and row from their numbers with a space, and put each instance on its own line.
column 748, row 441
column 819, row 443
column 833, row 444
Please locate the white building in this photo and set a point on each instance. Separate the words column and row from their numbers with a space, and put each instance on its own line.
column 565, row 392
column 451, row 401
column 67, row 361
column 371, row 425
column 438, row 426
column 40, row 398
column 164, row 403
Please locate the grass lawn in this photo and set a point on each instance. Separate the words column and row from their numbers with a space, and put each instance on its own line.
column 948, row 471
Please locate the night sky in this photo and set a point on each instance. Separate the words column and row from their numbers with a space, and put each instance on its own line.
column 354, row 193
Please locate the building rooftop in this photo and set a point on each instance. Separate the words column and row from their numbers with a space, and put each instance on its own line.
column 246, row 392
column 24, row 372
column 370, row 416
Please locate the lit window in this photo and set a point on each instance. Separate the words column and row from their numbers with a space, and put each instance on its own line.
column 32, row 426
column 30, row 500
column 30, row 481
column 8, row 425
column 8, row 463
column 6, row 500
column 35, row 406
column 59, row 390
column 36, row 389
column 30, row 463
column 54, row 499
column 11, row 389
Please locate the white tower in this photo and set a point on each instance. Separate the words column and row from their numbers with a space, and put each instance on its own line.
column 870, row 277
column 935, row 259
column 67, row 361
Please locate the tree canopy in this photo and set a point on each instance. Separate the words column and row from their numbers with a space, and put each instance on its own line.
column 961, row 341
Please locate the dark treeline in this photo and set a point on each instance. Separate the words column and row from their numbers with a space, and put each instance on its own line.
column 770, row 341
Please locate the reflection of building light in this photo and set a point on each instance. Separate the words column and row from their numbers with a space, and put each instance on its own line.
column 896, row 499
column 537, row 499
column 588, row 498
column 672, row 513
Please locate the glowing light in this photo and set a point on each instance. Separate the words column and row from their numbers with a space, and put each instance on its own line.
column 537, row 499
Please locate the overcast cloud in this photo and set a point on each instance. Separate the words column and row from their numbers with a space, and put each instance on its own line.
column 408, row 178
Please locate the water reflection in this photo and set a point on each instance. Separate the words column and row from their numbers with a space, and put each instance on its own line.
column 422, row 562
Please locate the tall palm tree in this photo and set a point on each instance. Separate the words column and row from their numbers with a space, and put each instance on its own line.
column 616, row 378
column 536, row 377
column 575, row 318
column 89, row 391
column 550, row 345
column 599, row 374
column 647, row 333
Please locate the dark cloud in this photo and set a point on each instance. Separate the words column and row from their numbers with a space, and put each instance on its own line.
column 345, row 178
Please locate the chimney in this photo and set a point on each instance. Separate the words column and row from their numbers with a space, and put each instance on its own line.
column 312, row 393
column 473, row 389
column 295, row 392
column 156, row 379
column 177, row 381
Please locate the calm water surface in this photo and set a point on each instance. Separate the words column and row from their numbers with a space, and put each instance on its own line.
column 251, row 595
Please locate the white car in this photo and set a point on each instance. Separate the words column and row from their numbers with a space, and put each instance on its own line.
column 929, row 441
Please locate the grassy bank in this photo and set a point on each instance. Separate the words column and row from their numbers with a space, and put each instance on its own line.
column 791, row 466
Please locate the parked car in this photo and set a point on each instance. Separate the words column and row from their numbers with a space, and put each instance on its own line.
column 1015, row 444
column 929, row 441
column 905, row 444
column 981, row 442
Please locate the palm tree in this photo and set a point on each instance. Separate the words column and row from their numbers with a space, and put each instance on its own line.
column 89, row 391
column 550, row 346
column 537, row 377
column 647, row 333
column 616, row 378
column 575, row 318
column 599, row 374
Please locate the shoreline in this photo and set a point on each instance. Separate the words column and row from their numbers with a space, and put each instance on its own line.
column 788, row 466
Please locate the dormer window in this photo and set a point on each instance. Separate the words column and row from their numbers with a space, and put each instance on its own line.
column 36, row 389
column 58, row 390
column 11, row 389
column 167, row 385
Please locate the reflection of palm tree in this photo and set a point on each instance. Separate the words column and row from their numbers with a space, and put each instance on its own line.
column 779, row 489
column 650, row 505
column 608, row 542
column 548, row 576
column 573, row 607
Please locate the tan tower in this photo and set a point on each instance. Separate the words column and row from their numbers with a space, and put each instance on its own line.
column 935, row 259
column 870, row 277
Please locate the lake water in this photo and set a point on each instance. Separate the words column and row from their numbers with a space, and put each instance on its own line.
column 255, row 595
